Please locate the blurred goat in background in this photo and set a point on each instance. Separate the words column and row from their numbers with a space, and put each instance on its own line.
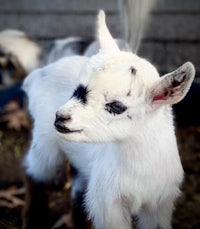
column 19, row 55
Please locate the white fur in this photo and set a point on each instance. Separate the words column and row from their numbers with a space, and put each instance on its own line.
column 130, row 160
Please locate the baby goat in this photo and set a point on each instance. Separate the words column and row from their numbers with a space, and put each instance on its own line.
column 114, row 123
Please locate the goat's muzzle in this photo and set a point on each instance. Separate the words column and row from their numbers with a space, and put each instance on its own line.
column 60, row 124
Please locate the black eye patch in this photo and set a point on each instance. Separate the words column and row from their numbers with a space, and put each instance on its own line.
column 115, row 107
column 81, row 93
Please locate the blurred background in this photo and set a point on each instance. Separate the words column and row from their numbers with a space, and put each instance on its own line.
column 170, row 38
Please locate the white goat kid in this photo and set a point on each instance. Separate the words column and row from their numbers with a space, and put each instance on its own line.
column 116, row 104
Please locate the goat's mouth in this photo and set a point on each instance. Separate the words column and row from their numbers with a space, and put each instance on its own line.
column 64, row 130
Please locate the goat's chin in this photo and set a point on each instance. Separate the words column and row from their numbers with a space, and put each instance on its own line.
column 74, row 137
column 81, row 137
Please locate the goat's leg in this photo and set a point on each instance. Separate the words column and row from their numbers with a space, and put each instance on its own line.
column 159, row 218
column 45, row 167
column 147, row 219
column 116, row 217
column 105, row 208
column 165, row 211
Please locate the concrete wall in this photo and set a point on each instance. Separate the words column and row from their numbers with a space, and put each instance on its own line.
column 172, row 36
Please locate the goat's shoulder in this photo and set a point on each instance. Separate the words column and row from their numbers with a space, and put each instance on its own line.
column 64, row 70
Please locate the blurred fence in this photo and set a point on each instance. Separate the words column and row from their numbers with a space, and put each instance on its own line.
column 172, row 36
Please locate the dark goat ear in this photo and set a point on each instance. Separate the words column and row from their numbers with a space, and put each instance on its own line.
column 172, row 87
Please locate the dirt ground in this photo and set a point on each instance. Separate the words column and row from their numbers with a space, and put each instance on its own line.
column 13, row 145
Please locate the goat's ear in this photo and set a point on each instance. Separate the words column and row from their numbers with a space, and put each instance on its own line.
column 106, row 41
column 172, row 87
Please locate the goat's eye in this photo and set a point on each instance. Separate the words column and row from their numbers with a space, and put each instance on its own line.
column 115, row 107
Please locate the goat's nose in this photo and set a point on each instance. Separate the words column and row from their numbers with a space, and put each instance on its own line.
column 60, row 123
column 62, row 118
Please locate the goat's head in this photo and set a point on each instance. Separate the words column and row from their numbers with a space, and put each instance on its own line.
column 117, row 90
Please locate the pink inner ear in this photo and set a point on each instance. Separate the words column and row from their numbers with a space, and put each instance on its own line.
column 159, row 97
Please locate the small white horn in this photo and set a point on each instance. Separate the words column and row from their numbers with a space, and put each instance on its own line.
column 106, row 40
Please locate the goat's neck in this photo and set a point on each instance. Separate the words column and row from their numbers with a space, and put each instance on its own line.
column 149, row 139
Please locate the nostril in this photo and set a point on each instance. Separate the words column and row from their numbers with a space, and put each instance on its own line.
column 67, row 118
column 62, row 118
